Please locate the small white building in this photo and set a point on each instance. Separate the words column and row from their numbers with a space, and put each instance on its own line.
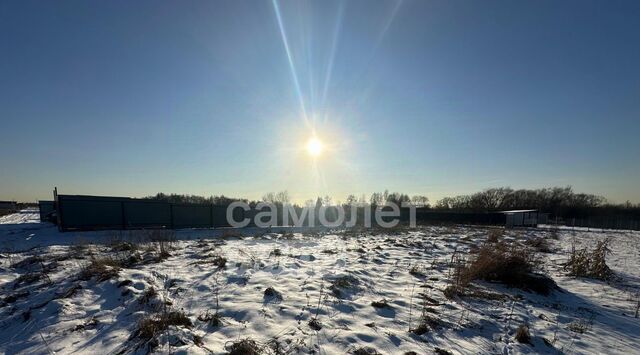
column 524, row 218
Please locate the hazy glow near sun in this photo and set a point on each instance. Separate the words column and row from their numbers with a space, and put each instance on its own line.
column 314, row 147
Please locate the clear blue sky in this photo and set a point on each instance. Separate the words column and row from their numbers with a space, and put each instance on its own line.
column 423, row 97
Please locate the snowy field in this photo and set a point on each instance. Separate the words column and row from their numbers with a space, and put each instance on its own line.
column 329, row 292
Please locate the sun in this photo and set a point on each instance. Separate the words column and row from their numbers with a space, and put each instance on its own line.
column 314, row 147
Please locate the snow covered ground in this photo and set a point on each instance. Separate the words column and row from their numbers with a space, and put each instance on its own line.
column 300, row 292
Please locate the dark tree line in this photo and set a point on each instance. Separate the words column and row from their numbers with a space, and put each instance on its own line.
column 559, row 201
column 183, row 198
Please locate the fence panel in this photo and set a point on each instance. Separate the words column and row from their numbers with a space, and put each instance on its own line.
column 46, row 208
column 192, row 216
column 87, row 213
column 147, row 214
column 219, row 215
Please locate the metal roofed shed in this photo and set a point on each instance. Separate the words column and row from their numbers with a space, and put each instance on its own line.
column 524, row 218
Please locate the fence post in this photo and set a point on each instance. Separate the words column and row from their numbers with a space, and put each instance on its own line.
column 211, row 216
column 124, row 219
column 171, row 225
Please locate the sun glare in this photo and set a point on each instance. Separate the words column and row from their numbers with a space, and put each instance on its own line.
column 314, row 147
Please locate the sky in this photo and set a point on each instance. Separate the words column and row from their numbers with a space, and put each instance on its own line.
column 424, row 97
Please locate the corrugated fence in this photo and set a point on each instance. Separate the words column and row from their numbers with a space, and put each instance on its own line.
column 76, row 212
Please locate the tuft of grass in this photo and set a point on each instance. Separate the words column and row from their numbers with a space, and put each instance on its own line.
column 219, row 261
column 26, row 279
column 315, row 324
column 246, row 346
column 592, row 264
column 213, row 319
column 28, row 262
column 149, row 327
column 580, row 326
column 426, row 323
column 121, row 245
column 416, row 271
column 102, row 269
column 512, row 265
column 148, row 295
column 522, row 335
column 539, row 244
column 70, row 291
column 342, row 283
column 287, row 236
column 13, row 298
column 380, row 304
column 198, row 340
column 276, row 252
column 271, row 292
column 365, row 350
column 163, row 240
column 495, row 235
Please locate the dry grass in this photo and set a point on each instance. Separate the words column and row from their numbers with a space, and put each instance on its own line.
column 343, row 285
column 246, row 346
column 512, row 265
column 218, row 260
column 540, row 244
column 522, row 334
column 271, row 292
column 213, row 319
column 417, row 271
column 164, row 241
column 276, row 252
column 102, row 269
column 149, row 327
column 315, row 324
column 28, row 263
column 121, row 245
column 148, row 295
column 380, row 304
column 365, row 351
column 592, row 264
column 426, row 323
column 495, row 235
